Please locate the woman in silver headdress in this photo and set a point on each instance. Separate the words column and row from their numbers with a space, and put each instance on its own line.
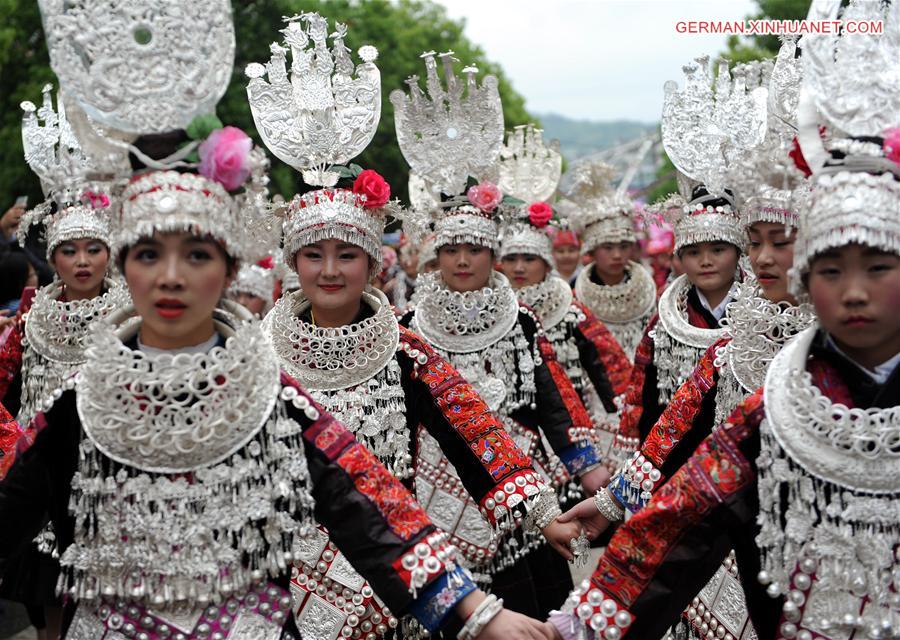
column 181, row 468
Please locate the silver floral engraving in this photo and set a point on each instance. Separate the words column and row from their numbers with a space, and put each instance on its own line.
column 326, row 110
column 124, row 64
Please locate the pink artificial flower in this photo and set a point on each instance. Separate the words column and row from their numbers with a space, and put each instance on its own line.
column 486, row 196
column 892, row 145
column 540, row 213
column 370, row 184
column 225, row 157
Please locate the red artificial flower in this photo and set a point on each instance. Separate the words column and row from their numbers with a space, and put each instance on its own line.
column 370, row 184
column 485, row 196
column 540, row 213
column 266, row 263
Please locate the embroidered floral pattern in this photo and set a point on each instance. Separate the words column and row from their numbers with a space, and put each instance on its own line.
column 393, row 501
column 716, row 471
column 468, row 414
column 678, row 418
column 9, row 435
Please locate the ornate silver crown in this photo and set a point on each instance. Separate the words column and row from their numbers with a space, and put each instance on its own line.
column 446, row 136
column 852, row 78
column 602, row 213
column 850, row 85
column 769, row 164
column 141, row 66
column 326, row 110
column 262, row 230
column 170, row 201
column 711, row 123
column 529, row 169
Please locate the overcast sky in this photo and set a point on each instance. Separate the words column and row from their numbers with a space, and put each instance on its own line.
column 593, row 59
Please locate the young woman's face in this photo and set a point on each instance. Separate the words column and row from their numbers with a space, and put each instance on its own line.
column 611, row 259
column 465, row 267
column 771, row 253
column 856, row 293
column 524, row 269
column 176, row 280
column 567, row 257
column 81, row 265
column 333, row 274
column 710, row 266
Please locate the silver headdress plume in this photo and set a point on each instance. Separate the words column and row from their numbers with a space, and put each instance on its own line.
column 327, row 110
column 262, row 229
column 446, row 137
column 51, row 149
column 55, row 154
column 851, row 86
column 710, row 123
column 141, row 66
column 768, row 177
column 317, row 117
column 529, row 169
column 601, row 213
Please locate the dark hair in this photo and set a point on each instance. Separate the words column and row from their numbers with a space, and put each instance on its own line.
column 14, row 267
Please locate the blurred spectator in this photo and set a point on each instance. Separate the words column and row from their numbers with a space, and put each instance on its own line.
column 17, row 274
column 33, row 249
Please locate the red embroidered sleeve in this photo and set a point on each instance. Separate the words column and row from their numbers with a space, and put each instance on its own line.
column 618, row 367
column 678, row 417
column 581, row 420
column 513, row 477
column 716, row 471
column 628, row 438
column 9, row 436
column 394, row 502
column 10, row 358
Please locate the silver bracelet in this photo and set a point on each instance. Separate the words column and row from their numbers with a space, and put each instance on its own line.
column 486, row 611
column 608, row 507
column 544, row 510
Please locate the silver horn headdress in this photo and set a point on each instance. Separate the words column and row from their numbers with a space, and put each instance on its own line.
column 321, row 114
column 141, row 66
column 326, row 110
column 453, row 133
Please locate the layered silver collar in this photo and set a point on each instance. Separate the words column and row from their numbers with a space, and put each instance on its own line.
column 176, row 413
column 630, row 300
column 550, row 299
column 330, row 359
column 58, row 330
column 759, row 329
column 464, row 322
column 829, row 501
column 674, row 318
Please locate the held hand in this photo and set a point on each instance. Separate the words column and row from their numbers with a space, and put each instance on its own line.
column 509, row 625
column 559, row 534
column 586, row 515
column 595, row 479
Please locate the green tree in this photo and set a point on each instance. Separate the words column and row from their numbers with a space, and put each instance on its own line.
column 401, row 30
